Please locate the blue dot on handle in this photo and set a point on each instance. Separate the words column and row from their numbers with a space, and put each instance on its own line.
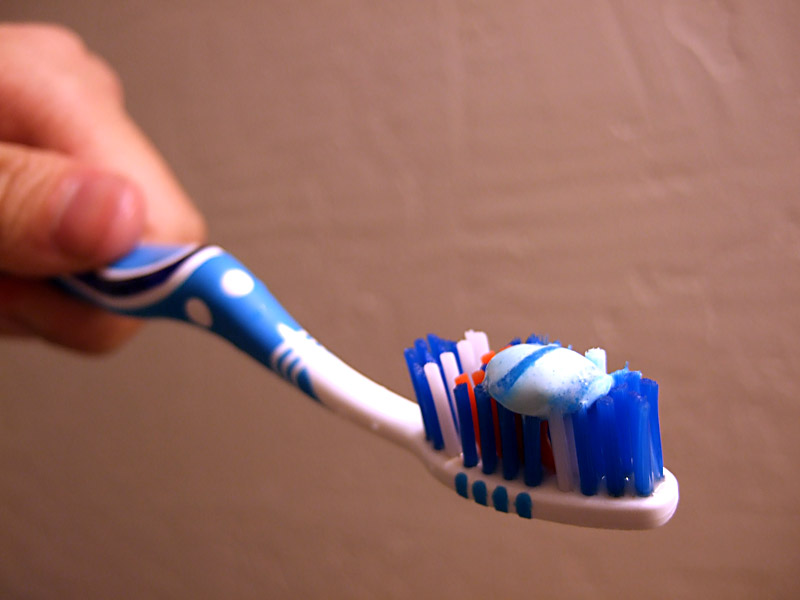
column 479, row 493
column 462, row 485
column 524, row 505
column 500, row 499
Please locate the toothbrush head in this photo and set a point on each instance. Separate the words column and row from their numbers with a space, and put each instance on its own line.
column 543, row 431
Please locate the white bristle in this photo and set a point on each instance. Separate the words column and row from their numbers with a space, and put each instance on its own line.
column 561, row 454
column 466, row 354
column 573, row 453
column 452, row 444
column 479, row 341
column 598, row 357
column 450, row 368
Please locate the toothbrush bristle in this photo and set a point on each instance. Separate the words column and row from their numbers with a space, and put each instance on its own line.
column 610, row 446
column 488, row 438
column 508, row 442
column 465, row 404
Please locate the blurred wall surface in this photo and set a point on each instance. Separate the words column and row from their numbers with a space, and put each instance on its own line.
column 623, row 174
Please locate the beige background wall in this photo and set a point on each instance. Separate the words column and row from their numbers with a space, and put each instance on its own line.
column 623, row 174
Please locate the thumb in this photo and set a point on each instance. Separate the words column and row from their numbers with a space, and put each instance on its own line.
column 58, row 216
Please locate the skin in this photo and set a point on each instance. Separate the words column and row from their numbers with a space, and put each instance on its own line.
column 80, row 185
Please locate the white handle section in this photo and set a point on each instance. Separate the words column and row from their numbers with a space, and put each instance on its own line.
column 358, row 398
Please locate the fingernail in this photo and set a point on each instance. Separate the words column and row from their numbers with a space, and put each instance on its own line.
column 101, row 216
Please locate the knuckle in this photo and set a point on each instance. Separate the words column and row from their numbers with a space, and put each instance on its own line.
column 22, row 183
column 13, row 187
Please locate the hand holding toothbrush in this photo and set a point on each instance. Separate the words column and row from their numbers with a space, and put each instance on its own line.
column 79, row 186
column 77, row 183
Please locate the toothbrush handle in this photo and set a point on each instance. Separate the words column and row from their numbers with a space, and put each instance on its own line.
column 206, row 286
column 202, row 285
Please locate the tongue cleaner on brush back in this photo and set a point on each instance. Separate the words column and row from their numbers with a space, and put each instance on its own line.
column 605, row 450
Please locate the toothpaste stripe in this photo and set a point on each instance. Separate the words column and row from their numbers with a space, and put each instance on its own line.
column 507, row 381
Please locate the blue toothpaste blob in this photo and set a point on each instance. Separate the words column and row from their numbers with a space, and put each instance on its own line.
column 538, row 379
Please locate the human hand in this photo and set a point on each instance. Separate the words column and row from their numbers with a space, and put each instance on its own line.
column 79, row 186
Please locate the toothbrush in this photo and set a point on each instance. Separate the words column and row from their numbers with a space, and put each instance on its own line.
column 208, row 287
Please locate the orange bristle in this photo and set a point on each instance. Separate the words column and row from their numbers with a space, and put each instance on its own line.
column 547, row 451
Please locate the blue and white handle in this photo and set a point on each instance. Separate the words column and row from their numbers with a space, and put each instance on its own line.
column 205, row 286
column 208, row 287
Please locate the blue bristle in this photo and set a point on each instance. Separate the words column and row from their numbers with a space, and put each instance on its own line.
column 428, row 350
column 467, row 430
column 515, row 341
column 508, row 442
column 627, row 379
column 584, row 449
column 536, row 338
column 643, row 477
column 410, row 355
column 532, row 450
column 634, row 381
column 433, row 431
column 649, row 390
column 423, row 352
column 434, row 343
column 436, row 431
column 624, row 396
column 609, row 438
column 453, row 409
column 437, row 346
column 623, row 413
column 483, row 405
column 450, row 346
column 596, row 441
